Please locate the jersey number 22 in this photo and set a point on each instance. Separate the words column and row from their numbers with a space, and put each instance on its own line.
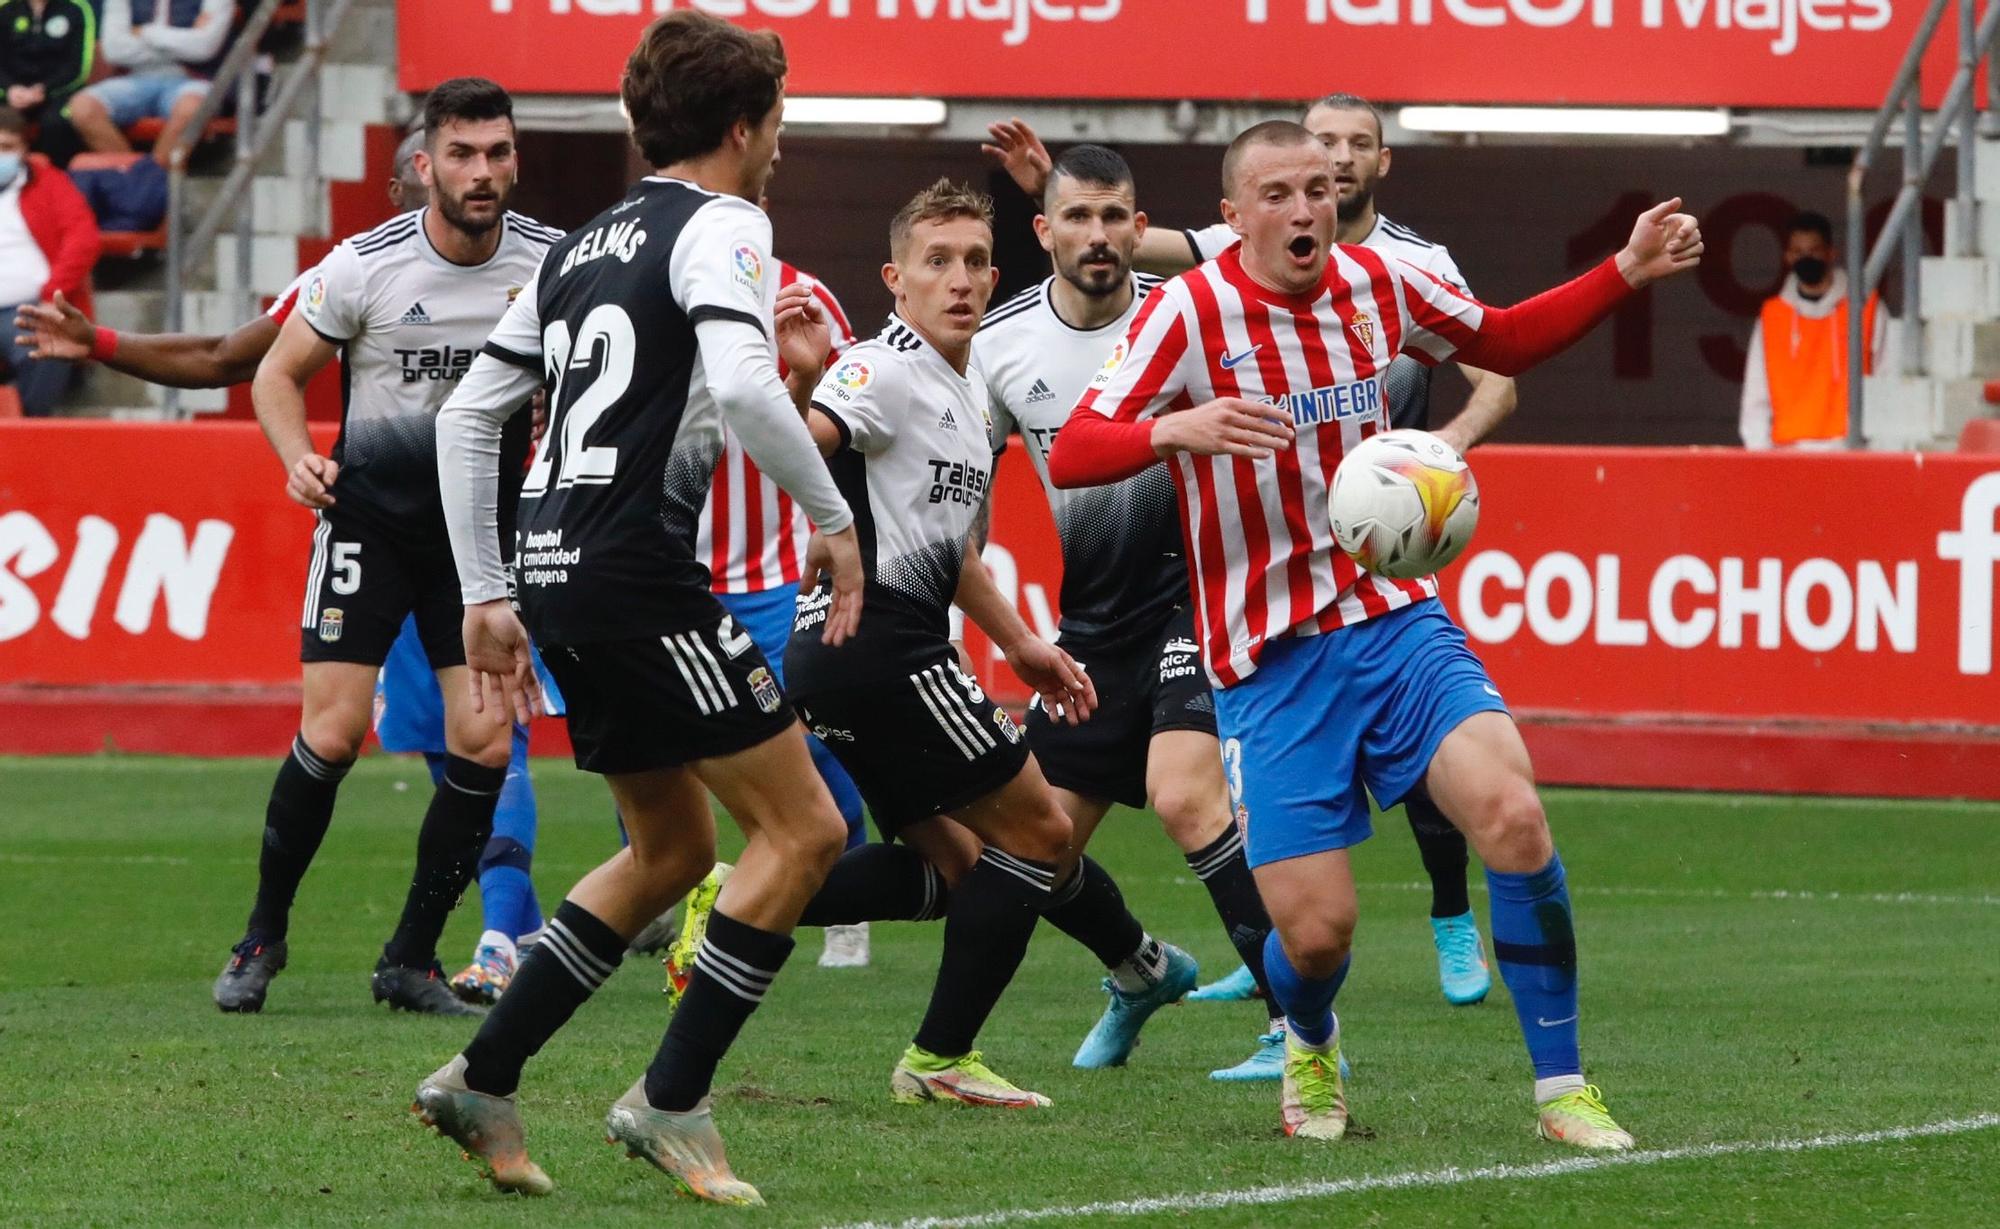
column 607, row 342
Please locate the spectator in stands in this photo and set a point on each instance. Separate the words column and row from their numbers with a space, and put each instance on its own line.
column 1795, row 382
column 48, row 242
column 46, row 50
column 167, row 48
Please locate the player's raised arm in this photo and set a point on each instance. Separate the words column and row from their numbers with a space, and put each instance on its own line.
column 1509, row 340
column 1019, row 151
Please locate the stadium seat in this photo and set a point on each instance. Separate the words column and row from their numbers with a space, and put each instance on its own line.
column 1980, row 435
column 125, row 243
column 147, row 131
column 10, row 402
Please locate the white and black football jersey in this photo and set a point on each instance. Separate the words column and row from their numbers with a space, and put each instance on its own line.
column 1123, row 570
column 610, row 507
column 408, row 323
column 914, row 464
column 1407, row 383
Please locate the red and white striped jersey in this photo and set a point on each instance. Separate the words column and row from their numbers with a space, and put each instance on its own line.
column 1259, row 534
column 752, row 535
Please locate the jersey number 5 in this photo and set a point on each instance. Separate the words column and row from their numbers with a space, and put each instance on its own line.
column 606, row 342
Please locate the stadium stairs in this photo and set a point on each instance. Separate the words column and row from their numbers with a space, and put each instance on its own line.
column 1961, row 334
column 295, row 217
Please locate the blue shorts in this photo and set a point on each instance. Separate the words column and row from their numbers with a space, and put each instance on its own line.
column 1324, row 715
column 149, row 95
column 767, row 616
column 409, row 709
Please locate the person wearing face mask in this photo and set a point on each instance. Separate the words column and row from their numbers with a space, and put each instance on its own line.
column 1795, row 380
column 48, row 243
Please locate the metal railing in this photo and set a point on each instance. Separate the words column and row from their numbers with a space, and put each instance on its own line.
column 1902, row 231
column 190, row 240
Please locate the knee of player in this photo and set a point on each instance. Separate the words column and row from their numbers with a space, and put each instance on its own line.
column 1518, row 827
column 332, row 738
column 1044, row 834
column 1317, row 948
column 816, row 839
column 1193, row 817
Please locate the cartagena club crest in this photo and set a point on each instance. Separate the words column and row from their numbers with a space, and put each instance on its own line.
column 765, row 689
column 330, row 621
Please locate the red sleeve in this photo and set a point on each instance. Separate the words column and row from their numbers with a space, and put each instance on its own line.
column 77, row 242
column 1092, row 450
column 1509, row 340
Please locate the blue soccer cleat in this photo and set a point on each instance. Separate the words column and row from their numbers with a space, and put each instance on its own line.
column 1238, row 987
column 1462, row 972
column 1267, row 1062
column 1111, row 1040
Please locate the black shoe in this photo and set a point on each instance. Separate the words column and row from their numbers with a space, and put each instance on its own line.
column 419, row 990
column 247, row 977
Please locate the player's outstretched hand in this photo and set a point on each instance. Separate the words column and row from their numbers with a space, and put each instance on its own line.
column 837, row 555
column 1664, row 242
column 311, row 481
column 804, row 338
column 1227, row 426
column 1020, row 153
column 499, row 670
column 1066, row 691
column 54, row 330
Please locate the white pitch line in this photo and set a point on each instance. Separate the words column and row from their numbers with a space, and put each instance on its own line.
column 1806, row 895
column 1290, row 1192
column 95, row 859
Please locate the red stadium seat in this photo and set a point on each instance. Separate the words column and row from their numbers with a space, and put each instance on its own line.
column 147, row 131
column 126, row 243
column 1980, row 435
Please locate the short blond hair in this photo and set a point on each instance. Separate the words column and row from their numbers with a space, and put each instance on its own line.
column 941, row 202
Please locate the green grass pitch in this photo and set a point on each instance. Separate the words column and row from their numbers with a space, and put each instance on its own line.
column 1754, row 970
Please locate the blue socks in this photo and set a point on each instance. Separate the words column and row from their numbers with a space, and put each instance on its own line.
column 1535, row 943
column 845, row 796
column 506, row 893
column 1307, row 1001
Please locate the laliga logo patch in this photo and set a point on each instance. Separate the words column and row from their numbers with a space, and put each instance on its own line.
column 1364, row 327
column 330, row 621
column 749, row 265
column 765, row 689
column 853, row 375
column 315, row 295
column 1112, row 362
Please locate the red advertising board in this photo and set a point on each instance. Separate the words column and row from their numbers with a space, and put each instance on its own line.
column 1751, row 53
column 1700, row 583
column 1843, row 604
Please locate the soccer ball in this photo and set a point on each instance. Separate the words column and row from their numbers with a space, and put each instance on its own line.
column 1404, row 504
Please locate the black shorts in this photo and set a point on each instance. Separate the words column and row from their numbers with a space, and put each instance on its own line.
column 1142, row 690
column 918, row 744
column 361, row 584
column 663, row 701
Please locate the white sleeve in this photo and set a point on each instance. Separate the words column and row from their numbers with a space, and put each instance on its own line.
column 335, row 299
column 1754, row 416
column 468, row 445
column 1210, row 241
column 863, row 395
column 115, row 28
column 742, row 376
column 721, row 268
column 1434, row 313
column 192, row 44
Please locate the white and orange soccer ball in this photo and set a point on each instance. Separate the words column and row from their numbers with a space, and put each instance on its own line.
column 1404, row 504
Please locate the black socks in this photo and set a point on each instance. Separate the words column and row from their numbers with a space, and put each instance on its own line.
column 878, row 883
column 455, row 831
column 1442, row 847
column 575, row 956
column 1224, row 869
column 732, row 970
column 295, row 822
column 991, row 917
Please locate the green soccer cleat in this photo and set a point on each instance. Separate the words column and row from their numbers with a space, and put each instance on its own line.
column 487, row 1127
column 1462, row 971
column 694, row 928
column 923, row 1076
column 1313, row 1105
column 683, row 1146
column 1580, row 1120
column 1238, row 987
column 1111, row 1040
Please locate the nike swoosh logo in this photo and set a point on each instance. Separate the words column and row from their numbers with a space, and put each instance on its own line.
column 1229, row 361
column 1554, row 1023
column 1488, row 689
